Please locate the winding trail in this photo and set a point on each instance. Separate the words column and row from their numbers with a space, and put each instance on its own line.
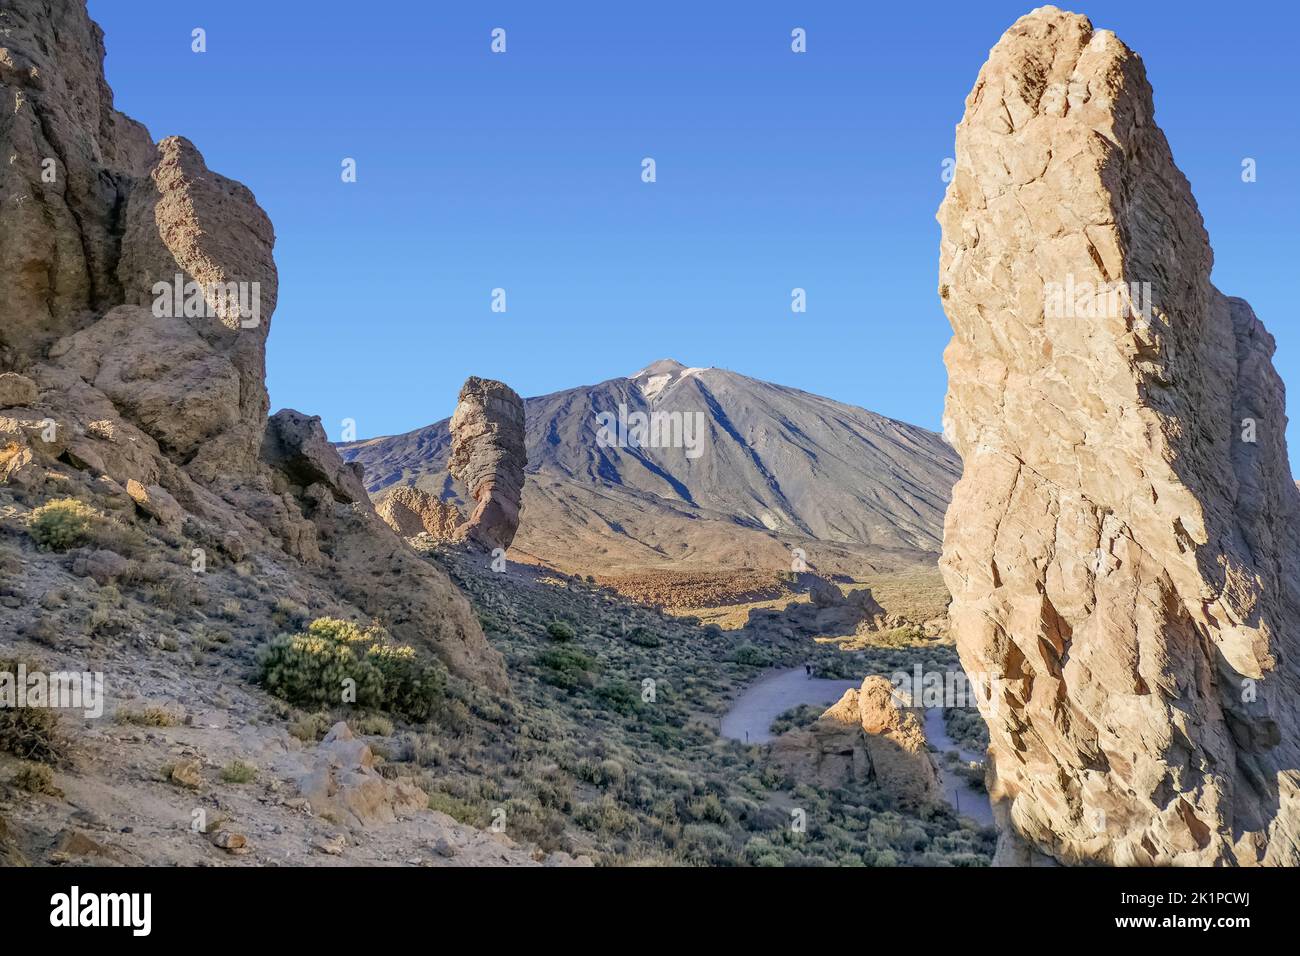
column 957, row 790
column 751, row 715
column 750, row 718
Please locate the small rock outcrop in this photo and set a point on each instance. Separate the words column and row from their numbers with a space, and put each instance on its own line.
column 412, row 511
column 296, row 444
column 345, row 784
column 867, row 735
column 1123, row 548
column 488, row 457
column 828, row 612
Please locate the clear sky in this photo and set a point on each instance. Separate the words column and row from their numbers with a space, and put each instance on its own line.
column 774, row 170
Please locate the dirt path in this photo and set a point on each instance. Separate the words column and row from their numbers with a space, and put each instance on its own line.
column 965, row 799
column 750, row 720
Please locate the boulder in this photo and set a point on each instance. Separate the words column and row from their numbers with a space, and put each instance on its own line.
column 296, row 445
column 104, row 566
column 894, row 734
column 157, row 502
column 16, row 390
column 344, row 784
column 865, row 735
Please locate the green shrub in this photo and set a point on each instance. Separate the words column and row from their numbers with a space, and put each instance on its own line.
column 310, row 670
column 238, row 772
column 565, row 667
column 750, row 656
column 560, row 631
column 459, row 810
column 63, row 523
column 36, row 778
column 643, row 637
column 412, row 686
column 618, row 696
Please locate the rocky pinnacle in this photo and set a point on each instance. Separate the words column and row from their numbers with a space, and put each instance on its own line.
column 1122, row 547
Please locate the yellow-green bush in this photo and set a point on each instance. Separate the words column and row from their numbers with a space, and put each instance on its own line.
column 63, row 523
column 310, row 669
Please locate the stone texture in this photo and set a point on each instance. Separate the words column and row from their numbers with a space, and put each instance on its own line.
column 488, row 457
column 1123, row 564
column 412, row 511
column 156, row 502
column 345, row 785
column 16, row 389
column 865, row 735
column 296, row 445
column 895, row 740
column 104, row 566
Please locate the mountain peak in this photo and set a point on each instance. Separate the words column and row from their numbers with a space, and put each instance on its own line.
column 658, row 376
column 664, row 366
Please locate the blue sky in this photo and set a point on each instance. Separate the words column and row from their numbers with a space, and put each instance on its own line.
column 775, row 170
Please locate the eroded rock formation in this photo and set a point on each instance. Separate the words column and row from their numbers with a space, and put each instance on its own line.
column 1122, row 547
column 138, row 288
column 412, row 511
column 488, row 457
column 867, row 735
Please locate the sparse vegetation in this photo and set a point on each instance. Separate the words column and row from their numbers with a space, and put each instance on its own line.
column 800, row 716
column 150, row 716
column 30, row 733
column 582, row 761
column 238, row 772
column 36, row 778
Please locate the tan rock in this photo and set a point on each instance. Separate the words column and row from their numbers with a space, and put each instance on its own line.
column 187, row 773
column 1122, row 558
column 896, row 745
column 865, row 735
column 412, row 511
column 73, row 844
column 488, row 456
column 344, row 784
column 160, row 374
column 296, row 444
column 233, row 843
column 158, row 503
column 164, row 394
column 16, row 389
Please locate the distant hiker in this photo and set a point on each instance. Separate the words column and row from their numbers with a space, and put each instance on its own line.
column 807, row 669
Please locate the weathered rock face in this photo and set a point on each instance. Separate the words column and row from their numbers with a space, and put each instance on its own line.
column 138, row 288
column 866, row 735
column 296, row 445
column 488, row 457
column 1122, row 547
column 412, row 511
